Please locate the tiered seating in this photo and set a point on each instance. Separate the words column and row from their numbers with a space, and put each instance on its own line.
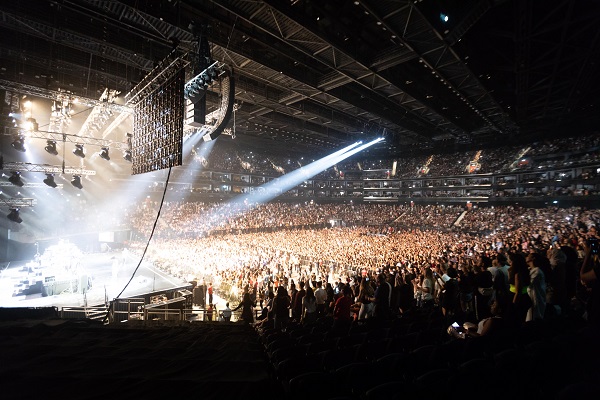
column 399, row 359
column 412, row 357
column 87, row 360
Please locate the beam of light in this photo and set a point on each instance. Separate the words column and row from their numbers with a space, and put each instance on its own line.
column 190, row 142
column 281, row 185
column 120, row 203
column 337, row 153
column 354, row 151
column 132, row 189
column 195, row 159
column 204, row 151
column 278, row 186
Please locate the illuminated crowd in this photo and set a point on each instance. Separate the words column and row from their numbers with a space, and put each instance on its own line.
column 573, row 151
column 395, row 237
column 191, row 219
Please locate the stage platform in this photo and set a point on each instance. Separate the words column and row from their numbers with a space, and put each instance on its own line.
column 106, row 274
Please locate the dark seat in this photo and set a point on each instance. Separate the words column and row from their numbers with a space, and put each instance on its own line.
column 334, row 359
column 393, row 390
column 308, row 384
column 435, row 384
column 476, row 374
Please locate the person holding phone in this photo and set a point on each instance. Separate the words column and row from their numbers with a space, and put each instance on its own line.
column 486, row 327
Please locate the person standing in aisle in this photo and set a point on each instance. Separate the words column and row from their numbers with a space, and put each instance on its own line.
column 210, row 293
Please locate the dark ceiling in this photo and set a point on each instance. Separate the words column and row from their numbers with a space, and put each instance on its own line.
column 313, row 75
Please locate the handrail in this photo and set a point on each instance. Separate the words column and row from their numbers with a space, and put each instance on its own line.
column 98, row 313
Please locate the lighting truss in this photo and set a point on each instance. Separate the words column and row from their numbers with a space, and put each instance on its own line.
column 46, row 168
column 32, row 185
column 114, row 124
column 58, row 122
column 17, row 202
column 66, row 138
column 35, row 91
column 60, row 117
column 100, row 114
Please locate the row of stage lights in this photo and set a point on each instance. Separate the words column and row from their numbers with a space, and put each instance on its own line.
column 19, row 145
column 79, row 151
column 31, row 125
column 16, row 180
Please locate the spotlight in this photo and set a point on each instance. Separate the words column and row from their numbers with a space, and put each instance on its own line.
column 19, row 144
column 104, row 154
column 31, row 125
column 14, row 215
column 127, row 155
column 77, row 182
column 79, row 151
column 15, row 179
column 50, row 180
column 51, row 147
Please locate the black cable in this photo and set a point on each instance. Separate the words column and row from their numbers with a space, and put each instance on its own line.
column 145, row 249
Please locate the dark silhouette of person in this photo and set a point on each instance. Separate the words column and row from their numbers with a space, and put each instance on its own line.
column 247, row 306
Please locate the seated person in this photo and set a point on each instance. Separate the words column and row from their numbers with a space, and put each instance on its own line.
column 485, row 327
column 226, row 313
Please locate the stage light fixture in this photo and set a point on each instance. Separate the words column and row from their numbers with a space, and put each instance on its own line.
column 76, row 182
column 104, row 154
column 51, row 147
column 127, row 155
column 19, row 144
column 14, row 215
column 50, row 180
column 79, row 151
column 31, row 125
column 15, row 179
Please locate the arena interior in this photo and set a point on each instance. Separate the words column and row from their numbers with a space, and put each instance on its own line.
column 290, row 199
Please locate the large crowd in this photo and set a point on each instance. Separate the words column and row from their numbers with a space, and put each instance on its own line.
column 559, row 152
column 191, row 219
column 409, row 245
column 552, row 153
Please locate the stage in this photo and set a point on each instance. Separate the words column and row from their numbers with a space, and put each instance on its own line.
column 94, row 278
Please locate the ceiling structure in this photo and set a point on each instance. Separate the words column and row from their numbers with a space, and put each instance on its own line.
column 314, row 75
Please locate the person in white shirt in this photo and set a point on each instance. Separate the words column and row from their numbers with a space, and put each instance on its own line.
column 320, row 296
column 226, row 313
